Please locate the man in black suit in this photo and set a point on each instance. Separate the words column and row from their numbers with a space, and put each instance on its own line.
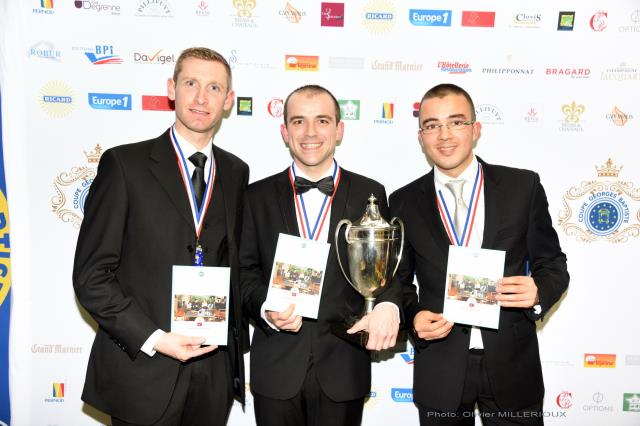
column 150, row 208
column 457, row 366
column 301, row 373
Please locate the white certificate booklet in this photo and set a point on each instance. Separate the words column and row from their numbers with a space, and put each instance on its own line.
column 470, row 287
column 297, row 275
column 200, row 302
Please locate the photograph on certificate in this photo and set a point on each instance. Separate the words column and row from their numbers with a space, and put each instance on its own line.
column 297, row 275
column 200, row 303
column 470, row 287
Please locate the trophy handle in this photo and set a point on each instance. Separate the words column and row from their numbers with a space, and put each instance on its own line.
column 346, row 237
column 399, row 221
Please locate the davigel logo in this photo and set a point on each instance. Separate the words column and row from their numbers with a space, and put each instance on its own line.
column 112, row 101
column 430, row 18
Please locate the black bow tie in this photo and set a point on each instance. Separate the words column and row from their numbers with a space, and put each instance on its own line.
column 324, row 185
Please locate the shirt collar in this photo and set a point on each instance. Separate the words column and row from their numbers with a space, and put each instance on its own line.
column 188, row 150
column 468, row 175
column 328, row 172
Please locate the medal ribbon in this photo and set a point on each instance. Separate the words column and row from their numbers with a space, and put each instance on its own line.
column 465, row 237
column 198, row 212
column 307, row 232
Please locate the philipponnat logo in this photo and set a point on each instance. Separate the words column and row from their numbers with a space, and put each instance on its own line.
column 603, row 209
column 72, row 188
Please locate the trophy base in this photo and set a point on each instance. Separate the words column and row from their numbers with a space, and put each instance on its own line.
column 361, row 338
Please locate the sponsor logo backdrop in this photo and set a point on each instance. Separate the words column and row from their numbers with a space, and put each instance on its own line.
column 557, row 87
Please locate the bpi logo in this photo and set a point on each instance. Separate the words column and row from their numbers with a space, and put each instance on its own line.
column 402, row 394
column 564, row 400
column 408, row 357
column 430, row 18
column 112, row 101
column 102, row 55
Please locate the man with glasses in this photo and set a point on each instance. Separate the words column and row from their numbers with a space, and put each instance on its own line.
column 456, row 365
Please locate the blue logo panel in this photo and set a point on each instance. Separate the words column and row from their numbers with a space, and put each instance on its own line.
column 113, row 101
column 430, row 18
column 402, row 394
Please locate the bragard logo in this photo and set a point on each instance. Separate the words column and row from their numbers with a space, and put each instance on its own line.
column 72, row 188
column 569, row 72
column 603, row 209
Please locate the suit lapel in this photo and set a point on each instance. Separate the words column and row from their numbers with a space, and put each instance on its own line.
column 492, row 198
column 339, row 204
column 286, row 202
column 429, row 213
column 164, row 167
column 224, row 176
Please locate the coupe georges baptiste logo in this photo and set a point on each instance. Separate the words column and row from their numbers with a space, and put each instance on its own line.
column 72, row 188
column 598, row 21
column 604, row 209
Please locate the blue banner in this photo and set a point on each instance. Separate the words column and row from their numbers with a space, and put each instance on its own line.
column 5, row 287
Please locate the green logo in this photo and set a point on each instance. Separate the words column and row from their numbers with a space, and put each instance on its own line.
column 349, row 109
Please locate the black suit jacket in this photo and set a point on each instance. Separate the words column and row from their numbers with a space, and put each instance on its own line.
column 516, row 221
column 279, row 360
column 137, row 225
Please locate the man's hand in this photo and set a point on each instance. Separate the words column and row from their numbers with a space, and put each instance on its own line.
column 285, row 320
column 382, row 325
column 517, row 292
column 431, row 326
column 182, row 347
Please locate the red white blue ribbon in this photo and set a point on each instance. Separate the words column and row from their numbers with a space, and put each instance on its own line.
column 464, row 238
column 307, row 232
column 198, row 212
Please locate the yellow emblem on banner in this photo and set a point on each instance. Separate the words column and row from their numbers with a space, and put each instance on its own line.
column 5, row 249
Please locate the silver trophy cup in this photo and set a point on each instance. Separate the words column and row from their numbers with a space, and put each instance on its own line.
column 374, row 250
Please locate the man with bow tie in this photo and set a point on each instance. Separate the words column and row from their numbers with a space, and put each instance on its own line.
column 301, row 373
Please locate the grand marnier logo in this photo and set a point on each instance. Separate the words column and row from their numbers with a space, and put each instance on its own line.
column 604, row 209
column 72, row 189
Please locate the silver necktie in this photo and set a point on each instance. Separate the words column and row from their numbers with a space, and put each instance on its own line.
column 460, row 213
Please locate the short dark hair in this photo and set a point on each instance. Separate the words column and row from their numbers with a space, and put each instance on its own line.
column 313, row 89
column 205, row 54
column 442, row 90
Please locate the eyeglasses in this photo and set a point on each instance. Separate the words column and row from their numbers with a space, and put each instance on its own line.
column 433, row 128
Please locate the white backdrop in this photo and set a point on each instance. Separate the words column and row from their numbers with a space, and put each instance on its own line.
column 561, row 102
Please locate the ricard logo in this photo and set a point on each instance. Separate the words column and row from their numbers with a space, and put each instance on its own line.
column 603, row 209
column 57, row 99
column 378, row 16
column 72, row 188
